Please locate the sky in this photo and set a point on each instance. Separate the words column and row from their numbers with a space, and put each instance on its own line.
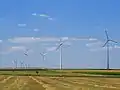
column 38, row 25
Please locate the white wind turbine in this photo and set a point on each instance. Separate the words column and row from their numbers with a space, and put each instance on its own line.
column 26, row 52
column 15, row 62
column 26, row 66
column 62, row 41
column 43, row 54
column 108, row 47
column 21, row 64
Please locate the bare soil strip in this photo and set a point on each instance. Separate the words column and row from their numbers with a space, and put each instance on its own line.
column 16, row 84
column 60, row 84
column 46, row 86
column 5, row 84
column 91, row 82
column 6, row 79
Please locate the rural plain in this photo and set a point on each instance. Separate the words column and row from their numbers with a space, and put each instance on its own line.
column 65, row 80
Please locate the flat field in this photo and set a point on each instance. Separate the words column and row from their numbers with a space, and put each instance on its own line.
column 58, row 83
column 57, row 80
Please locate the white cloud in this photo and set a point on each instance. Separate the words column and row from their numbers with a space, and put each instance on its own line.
column 83, row 39
column 12, row 49
column 100, row 49
column 51, row 49
column 64, row 38
column 17, row 48
column 35, row 39
column 93, row 39
column 21, row 25
column 95, row 44
column 44, row 15
column 104, row 48
column 50, row 19
column 22, row 40
column 43, row 39
column 36, row 29
column 1, row 41
column 34, row 14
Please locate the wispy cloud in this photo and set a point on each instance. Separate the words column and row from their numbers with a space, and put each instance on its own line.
column 8, row 50
column 98, row 46
column 36, row 30
column 33, row 39
column 22, row 40
column 17, row 48
column 43, row 15
column 21, row 25
column 51, row 49
column 95, row 44
column 104, row 48
column 51, row 19
column 83, row 39
column 46, row 16
column 44, row 39
column 34, row 14
column 1, row 41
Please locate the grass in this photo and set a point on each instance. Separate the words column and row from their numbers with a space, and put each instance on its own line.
column 63, row 73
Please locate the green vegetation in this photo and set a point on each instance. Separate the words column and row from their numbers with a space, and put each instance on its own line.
column 63, row 73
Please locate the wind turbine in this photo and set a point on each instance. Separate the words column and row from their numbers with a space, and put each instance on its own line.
column 15, row 62
column 26, row 52
column 60, row 48
column 43, row 55
column 107, row 44
column 21, row 64
column 26, row 66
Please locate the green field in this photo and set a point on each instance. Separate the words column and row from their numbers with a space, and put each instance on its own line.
column 60, row 80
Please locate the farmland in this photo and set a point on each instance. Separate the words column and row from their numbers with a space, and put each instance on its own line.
column 58, row 80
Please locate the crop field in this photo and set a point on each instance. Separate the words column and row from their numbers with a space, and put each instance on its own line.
column 58, row 83
column 59, row 80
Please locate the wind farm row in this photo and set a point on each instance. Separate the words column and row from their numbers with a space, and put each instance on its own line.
column 60, row 49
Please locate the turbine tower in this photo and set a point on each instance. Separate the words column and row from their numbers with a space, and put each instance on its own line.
column 60, row 48
column 107, row 44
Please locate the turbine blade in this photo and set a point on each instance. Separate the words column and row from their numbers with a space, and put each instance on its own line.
column 25, row 54
column 113, row 41
column 105, row 43
column 59, row 46
column 106, row 34
column 41, row 54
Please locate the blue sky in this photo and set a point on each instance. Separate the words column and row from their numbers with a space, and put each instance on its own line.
column 49, row 20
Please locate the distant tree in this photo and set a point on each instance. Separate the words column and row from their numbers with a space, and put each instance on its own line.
column 37, row 72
